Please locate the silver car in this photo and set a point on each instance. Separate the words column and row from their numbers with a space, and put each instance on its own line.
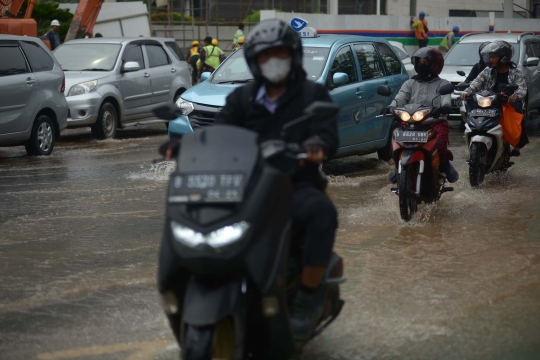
column 463, row 55
column 33, row 110
column 116, row 82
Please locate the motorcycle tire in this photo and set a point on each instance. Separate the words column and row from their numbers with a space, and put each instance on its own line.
column 408, row 202
column 209, row 342
column 477, row 164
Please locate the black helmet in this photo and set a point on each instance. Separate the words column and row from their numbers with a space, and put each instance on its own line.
column 268, row 34
column 434, row 57
column 501, row 48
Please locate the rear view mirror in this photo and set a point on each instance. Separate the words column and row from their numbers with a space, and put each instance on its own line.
column 532, row 61
column 321, row 109
column 511, row 87
column 461, row 86
column 340, row 78
column 205, row 75
column 461, row 72
column 167, row 111
column 446, row 89
column 384, row 90
column 131, row 66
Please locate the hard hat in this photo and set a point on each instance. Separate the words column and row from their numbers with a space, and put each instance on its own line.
column 455, row 29
column 422, row 14
column 195, row 42
column 241, row 40
column 214, row 42
column 55, row 23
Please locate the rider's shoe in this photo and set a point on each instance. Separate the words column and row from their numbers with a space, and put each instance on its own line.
column 304, row 315
column 392, row 176
column 451, row 174
column 515, row 153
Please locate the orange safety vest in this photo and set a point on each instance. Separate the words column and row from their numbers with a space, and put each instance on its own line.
column 420, row 33
column 194, row 51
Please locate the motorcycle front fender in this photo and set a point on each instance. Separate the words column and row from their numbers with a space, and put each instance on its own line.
column 411, row 156
column 483, row 139
column 205, row 305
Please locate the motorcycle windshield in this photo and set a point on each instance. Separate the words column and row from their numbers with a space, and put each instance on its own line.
column 215, row 164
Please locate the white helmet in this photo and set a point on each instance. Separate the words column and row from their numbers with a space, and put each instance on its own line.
column 55, row 23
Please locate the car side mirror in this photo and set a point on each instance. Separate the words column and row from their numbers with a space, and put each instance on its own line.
column 446, row 89
column 461, row 72
column 131, row 66
column 532, row 61
column 205, row 75
column 340, row 78
column 384, row 90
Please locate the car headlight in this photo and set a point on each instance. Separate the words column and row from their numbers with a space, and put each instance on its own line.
column 82, row 88
column 484, row 102
column 185, row 106
column 419, row 115
column 216, row 239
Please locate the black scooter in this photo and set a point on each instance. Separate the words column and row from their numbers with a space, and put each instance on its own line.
column 227, row 222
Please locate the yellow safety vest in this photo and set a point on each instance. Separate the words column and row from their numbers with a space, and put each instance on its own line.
column 194, row 51
column 444, row 42
column 213, row 56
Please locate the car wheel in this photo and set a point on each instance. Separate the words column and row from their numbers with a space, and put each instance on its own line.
column 42, row 139
column 106, row 123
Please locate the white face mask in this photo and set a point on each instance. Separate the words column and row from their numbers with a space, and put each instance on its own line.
column 276, row 70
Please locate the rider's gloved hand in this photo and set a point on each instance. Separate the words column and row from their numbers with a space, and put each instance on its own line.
column 169, row 149
column 446, row 109
column 387, row 111
column 315, row 150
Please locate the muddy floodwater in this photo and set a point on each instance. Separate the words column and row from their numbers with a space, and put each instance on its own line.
column 80, row 231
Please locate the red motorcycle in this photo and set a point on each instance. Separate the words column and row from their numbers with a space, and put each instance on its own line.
column 414, row 150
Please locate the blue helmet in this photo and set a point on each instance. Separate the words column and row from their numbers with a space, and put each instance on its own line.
column 422, row 14
column 455, row 29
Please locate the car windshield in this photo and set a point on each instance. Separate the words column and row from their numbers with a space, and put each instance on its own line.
column 466, row 54
column 87, row 57
column 235, row 69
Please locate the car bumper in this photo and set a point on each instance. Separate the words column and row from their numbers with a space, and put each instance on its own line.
column 83, row 109
column 179, row 127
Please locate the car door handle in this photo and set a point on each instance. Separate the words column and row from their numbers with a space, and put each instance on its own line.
column 30, row 81
column 359, row 93
column 146, row 74
column 173, row 70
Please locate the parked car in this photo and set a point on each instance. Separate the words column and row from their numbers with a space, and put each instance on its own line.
column 33, row 109
column 115, row 82
column 404, row 57
column 463, row 55
column 351, row 67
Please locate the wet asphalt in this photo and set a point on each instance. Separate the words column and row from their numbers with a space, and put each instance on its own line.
column 80, row 231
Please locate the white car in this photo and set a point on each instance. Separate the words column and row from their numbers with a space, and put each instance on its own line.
column 404, row 56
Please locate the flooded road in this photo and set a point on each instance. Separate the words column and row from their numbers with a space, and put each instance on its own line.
column 80, row 230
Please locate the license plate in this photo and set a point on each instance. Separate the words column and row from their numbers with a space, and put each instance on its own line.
column 484, row 112
column 411, row 136
column 207, row 187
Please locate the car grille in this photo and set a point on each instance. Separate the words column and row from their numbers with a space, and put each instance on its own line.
column 203, row 115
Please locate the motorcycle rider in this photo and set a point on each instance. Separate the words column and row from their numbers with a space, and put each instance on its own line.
column 501, row 70
column 479, row 66
column 421, row 89
column 279, row 94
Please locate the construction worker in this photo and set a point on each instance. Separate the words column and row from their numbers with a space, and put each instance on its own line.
column 215, row 43
column 240, row 43
column 210, row 56
column 238, row 34
column 194, row 55
column 448, row 40
column 52, row 35
column 420, row 29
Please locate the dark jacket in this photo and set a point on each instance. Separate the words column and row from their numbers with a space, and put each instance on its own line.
column 242, row 110
column 54, row 39
column 475, row 71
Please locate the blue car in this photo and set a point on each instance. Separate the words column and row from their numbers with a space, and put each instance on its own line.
column 351, row 68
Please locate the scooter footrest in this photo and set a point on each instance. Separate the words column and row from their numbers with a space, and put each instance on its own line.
column 446, row 189
column 394, row 190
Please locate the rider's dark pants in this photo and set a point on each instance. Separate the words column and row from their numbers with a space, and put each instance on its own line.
column 315, row 212
column 194, row 70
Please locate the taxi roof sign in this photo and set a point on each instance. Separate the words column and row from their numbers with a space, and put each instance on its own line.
column 298, row 24
column 308, row 32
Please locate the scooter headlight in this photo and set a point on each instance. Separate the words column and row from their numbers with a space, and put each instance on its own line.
column 484, row 102
column 420, row 114
column 185, row 106
column 403, row 115
column 221, row 237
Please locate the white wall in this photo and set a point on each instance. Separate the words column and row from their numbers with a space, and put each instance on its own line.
column 440, row 8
